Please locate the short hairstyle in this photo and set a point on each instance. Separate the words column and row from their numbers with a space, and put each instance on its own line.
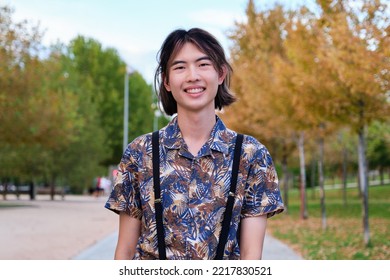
column 206, row 43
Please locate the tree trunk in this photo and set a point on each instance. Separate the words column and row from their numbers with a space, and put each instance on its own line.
column 303, row 209
column 52, row 189
column 17, row 190
column 363, row 183
column 382, row 175
column 388, row 171
column 285, row 180
column 345, row 175
column 5, row 189
column 359, row 184
column 321, row 181
column 313, row 179
column 32, row 190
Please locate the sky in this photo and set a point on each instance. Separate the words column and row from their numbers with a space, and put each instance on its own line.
column 135, row 28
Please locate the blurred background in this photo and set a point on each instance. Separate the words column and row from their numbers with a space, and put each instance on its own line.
column 312, row 79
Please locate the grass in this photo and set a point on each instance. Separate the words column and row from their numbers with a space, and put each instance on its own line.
column 343, row 237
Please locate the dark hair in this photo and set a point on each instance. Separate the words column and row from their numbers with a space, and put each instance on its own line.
column 206, row 43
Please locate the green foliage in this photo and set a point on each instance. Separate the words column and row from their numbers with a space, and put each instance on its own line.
column 140, row 109
column 62, row 115
column 378, row 145
column 100, row 75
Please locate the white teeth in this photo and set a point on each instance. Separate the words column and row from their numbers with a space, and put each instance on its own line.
column 194, row 90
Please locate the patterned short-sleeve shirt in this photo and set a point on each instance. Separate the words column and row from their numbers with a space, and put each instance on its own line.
column 194, row 191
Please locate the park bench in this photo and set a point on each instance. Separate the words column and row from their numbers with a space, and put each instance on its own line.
column 31, row 191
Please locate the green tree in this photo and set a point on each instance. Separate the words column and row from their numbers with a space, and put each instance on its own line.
column 140, row 109
column 62, row 115
column 79, row 162
column 378, row 148
column 27, row 112
column 100, row 74
column 31, row 112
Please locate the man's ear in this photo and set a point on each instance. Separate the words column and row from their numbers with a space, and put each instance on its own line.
column 166, row 83
column 222, row 74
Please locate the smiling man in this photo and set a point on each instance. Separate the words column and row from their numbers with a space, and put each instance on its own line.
column 203, row 171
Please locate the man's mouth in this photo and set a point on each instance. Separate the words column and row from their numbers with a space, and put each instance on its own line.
column 195, row 90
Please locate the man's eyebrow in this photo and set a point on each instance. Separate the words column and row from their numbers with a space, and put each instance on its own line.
column 203, row 58
column 197, row 60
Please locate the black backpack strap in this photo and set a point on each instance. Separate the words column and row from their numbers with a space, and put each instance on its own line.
column 157, row 195
column 230, row 202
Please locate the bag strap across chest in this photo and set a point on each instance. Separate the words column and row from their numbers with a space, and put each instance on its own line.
column 158, row 203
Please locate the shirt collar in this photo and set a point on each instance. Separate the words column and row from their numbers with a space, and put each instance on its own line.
column 218, row 141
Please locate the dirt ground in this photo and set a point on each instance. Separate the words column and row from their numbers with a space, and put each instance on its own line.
column 52, row 230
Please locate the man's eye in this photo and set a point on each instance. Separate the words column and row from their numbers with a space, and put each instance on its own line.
column 178, row 68
column 204, row 64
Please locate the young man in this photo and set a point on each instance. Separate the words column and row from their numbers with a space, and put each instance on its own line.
column 195, row 159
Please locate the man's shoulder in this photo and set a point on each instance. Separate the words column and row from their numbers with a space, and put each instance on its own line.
column 142, row 139
column 140, row 144
column 252, row 146
column 248, row 140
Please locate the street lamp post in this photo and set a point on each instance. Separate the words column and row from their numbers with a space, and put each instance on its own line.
column 157, row 115
column 126, row 110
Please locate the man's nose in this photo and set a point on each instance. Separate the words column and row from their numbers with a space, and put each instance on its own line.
column 193, row 73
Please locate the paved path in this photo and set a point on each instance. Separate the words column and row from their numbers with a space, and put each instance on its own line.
column 52, row 230
column 78, row 227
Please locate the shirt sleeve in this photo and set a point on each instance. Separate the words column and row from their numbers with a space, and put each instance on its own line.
column 262, row 194
column 125, row 195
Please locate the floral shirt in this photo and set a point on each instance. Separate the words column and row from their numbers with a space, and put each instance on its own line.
column 194, row 191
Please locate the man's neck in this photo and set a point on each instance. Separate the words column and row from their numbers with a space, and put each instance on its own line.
column 196, row 129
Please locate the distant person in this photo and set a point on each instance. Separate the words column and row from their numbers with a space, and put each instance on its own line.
column 99, row 190
column 105, row 185
column 196, row 153
column 92, row 188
